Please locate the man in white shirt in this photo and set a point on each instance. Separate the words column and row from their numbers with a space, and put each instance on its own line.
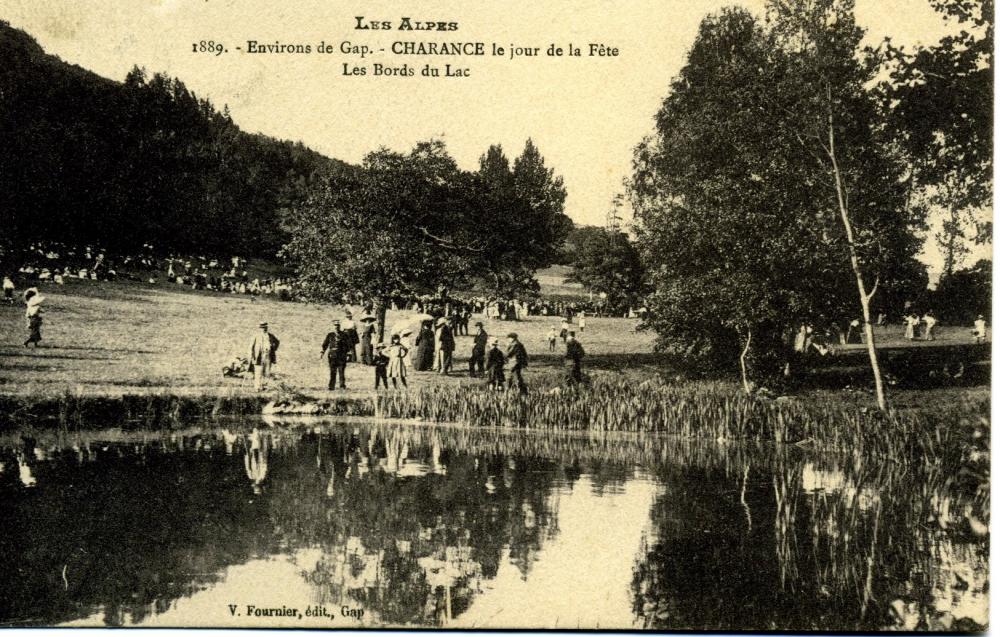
column 263, row 349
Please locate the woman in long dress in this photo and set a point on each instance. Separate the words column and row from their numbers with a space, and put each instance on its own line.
column 397, row 361
column 33, row 316
column 425, row 348
column 367, row 331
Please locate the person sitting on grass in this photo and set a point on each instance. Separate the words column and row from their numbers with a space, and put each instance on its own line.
column 494, row 366
column 381, row 363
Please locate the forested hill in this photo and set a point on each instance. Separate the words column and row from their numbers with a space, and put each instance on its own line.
column 121, row 164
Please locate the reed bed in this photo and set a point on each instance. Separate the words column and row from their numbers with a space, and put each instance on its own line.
column 695, row 410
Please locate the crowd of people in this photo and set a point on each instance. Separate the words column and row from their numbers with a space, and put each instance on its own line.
column 423, row 343
column 58, row 263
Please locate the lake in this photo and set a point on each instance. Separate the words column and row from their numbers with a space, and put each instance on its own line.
column 356, row 524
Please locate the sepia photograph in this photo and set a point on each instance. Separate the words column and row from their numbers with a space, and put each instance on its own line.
column 586, row 315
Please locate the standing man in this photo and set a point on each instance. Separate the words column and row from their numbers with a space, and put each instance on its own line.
column 494, row 366
column 517, row 360
column 263, row 354
column 573, row 362
column 350, row 332
column 444, row 345
column 478, row 359
column 335, row 348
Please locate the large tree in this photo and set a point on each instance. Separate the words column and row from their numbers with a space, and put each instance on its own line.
column 520, row 220
column 391, row 225
column 836, row 118
column 738, row 219
column 416, row 223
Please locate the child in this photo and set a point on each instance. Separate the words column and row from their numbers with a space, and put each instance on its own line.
column 552, row 338
column 397, row 361
column 381, row 363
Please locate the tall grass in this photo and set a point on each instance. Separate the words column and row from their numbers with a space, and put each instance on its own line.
column 690, row 410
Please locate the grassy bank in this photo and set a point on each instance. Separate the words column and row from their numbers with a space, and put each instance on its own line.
column 691, row 410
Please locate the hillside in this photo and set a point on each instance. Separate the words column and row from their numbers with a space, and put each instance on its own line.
column 119, row 164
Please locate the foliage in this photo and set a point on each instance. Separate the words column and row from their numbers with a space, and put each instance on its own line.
column 940, row 102
column 736, row 209
column 519, row 220
column 608, row 263
column 415, row 223
column 90, row 160
column 965, row 294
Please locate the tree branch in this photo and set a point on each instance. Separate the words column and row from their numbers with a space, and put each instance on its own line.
column 447, row 243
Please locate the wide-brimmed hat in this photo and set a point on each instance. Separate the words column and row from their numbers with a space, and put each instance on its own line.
column 442, row 321
column 479, row 323
column 262, row 324
column 512, row 335
column 336, row 322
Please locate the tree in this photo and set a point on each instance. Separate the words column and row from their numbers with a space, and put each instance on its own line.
column 519, row 218
column 606, row 262
column 392, row 225
column 731, row 244
column 739, row 222
column 939, row 99
column 965, row 294
column 836, row 119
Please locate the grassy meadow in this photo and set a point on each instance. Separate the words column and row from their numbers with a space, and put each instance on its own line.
column 104, row 338
column 136, row 351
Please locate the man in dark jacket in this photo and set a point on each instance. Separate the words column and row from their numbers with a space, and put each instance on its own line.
column 573, row 362
column 478, row 358
column 517, row 360
column 335, row 347
column 494, row 366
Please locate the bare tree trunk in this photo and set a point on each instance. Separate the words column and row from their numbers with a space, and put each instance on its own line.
column 381, row 305
column 743, row 362
column 864, row 296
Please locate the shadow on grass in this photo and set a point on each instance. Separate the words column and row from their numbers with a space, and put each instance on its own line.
column 116, row 350
column 46, row 353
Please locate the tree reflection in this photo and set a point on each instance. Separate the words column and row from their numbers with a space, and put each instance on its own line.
column 410, row 523
column 849, row 547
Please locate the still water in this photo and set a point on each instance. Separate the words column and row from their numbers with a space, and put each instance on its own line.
column 358, row 524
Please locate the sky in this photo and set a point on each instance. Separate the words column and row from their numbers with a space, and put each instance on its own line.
column 585, row 114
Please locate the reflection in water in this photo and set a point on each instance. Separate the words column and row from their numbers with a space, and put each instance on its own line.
column 389, row 525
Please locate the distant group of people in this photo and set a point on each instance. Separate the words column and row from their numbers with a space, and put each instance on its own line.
column 432, row 350
column 58, row 263
column 915, row 324
column 915, row 327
